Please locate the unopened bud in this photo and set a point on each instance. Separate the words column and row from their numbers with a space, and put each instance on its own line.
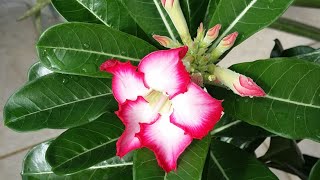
column 167, row 3
column 164, row 41
column 174, row 10
column 212, row 34
column 200, row 32
column 225, row 44
column 238, row 83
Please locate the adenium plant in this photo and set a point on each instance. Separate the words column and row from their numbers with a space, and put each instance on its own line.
column 157, row 86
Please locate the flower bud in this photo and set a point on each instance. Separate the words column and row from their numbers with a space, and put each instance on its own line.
column 225, row 44
column 165, row 41
column 174, row 10
column 212, row 34
column 238, row 83
column 200, row 33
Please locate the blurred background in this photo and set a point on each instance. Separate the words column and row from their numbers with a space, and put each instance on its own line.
column 18, row 53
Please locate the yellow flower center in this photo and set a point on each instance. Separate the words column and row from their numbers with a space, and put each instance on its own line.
column 159, row 102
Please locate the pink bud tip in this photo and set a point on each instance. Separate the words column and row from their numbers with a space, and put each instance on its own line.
column 170, row 2
column 200, row 28
column 247, row 87
column 214, row 31
column 163, row 40
column 230, row 39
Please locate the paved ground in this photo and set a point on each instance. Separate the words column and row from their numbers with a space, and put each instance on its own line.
column 17, row 53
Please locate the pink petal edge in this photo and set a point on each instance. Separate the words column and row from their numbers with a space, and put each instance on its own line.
column 166, row 140
column 195, row 111
column 127, row 83
column 131, row 113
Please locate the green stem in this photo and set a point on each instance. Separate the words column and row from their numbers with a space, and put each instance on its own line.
column 307, row 3
column 297, row 28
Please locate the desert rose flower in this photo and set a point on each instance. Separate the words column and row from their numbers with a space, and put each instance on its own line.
column 238, row 83
column 159, row 105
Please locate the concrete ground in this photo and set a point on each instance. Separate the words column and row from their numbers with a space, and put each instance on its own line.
column 17, row 53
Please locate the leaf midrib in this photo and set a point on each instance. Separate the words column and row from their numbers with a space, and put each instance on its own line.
column 57, row 106
column 91, row 51
column 89, row 150
column 219, row 166
column 91, row 168
column 292, row 102
column 234, row 22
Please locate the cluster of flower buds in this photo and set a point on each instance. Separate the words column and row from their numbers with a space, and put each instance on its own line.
column 205, row 50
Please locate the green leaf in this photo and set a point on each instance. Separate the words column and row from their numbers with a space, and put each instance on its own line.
column 296, row 51
column 246, row 16
column 37, row 70
column 58, row 101
column 108, row 12
column 212, row 6
column 297, row 28
column 277, row 49
column 230, row 127
column 151, row 17
column 292, row 105
column 307, row 3
column 194, row 12
column 190, row 163
column 35, row 167
column 315, row 172
column 284, row 154
column 229, row 162
column 81, row 147
column 312, row 56
column 80, row 48
column 284, row 150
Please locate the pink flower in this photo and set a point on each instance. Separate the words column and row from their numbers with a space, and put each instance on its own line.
column 238, row 83
column 159, row 105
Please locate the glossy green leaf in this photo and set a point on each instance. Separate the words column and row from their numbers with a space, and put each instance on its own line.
column 37, row 70
column 229, row 162
column 246, row 16
column 315, row 172
column 230, row 127
column 151, row 17
column 284, row 154
column 108, row 12
column 296, row 51
column 212, row 6
column 190, row 163
column 58, row 101
column 277, row 49
column 84, row 146
column 312, row 56
column 291, row 107
column 35, row 167
column 80, row 48
column 284, row 150
column 194, row 12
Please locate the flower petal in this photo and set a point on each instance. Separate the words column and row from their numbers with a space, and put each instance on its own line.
column 131, row 114
column 165, row 72
column 166, row 140
column 127, row 83
column 195, row 111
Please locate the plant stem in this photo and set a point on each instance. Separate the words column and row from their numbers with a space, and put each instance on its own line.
column 297, row 28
